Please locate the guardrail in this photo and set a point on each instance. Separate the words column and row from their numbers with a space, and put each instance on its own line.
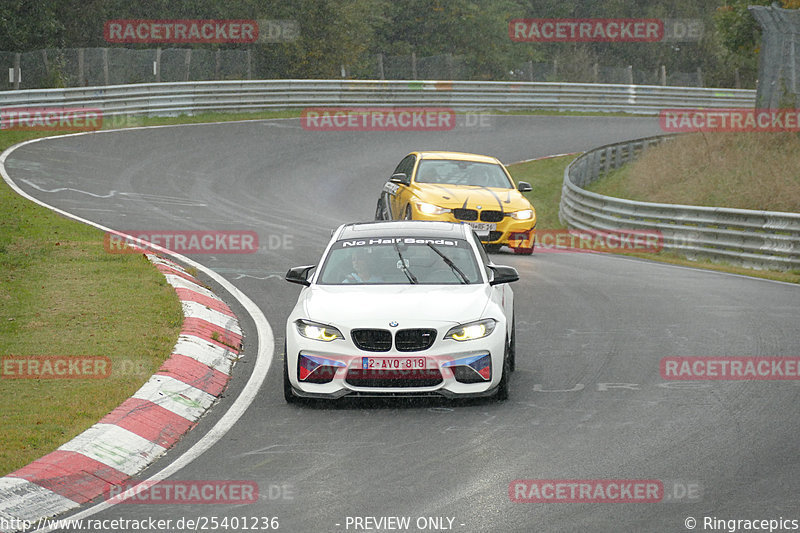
column 236, row 96
column 755, row 239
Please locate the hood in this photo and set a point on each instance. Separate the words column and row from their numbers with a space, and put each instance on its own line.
column 467, row 196
column 374, row 306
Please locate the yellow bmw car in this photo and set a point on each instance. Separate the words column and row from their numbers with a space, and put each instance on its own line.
column 457, row 187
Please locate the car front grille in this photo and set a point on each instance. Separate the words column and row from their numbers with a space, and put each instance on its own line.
column 470, row 215
column 414, row 340
column 465, row 214
column 492, row 216
column 393, row 378
column 372, row 340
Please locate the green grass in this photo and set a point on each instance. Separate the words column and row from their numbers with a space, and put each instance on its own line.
column 547, row 175
column 62, row 294
column 741, row 170
column 615, row 184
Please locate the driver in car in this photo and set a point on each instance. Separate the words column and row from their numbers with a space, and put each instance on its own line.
column 364, row 270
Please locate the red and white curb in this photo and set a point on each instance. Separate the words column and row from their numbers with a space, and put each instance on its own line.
column 146, row 425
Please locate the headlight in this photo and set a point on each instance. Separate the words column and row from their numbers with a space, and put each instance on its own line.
column 430, row 209
column 473, row 330
column 317, row 331
column 525, row 214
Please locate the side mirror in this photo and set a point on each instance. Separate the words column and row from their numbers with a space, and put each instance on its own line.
column 503, row 274
column 400, row 178
column 524, row 186
column 299, row 275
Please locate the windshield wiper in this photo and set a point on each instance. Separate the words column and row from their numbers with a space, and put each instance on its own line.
column 411, row 277
column 463, row 280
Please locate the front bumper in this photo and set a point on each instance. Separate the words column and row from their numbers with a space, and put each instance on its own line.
column 508, row 231
column 443, row 373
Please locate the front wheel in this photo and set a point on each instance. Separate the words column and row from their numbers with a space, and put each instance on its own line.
column 502, row 388
column 380, row 210
column 512, row 345
column 408, row 215
column 523, row 251
column 288, row 393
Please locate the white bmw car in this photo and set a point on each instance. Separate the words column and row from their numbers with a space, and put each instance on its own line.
column 404, row 308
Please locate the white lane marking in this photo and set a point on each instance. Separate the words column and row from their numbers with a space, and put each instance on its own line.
column 151, row 197
column 270, row 276
column 62, row 189
column 264, row 344
column 100, row 210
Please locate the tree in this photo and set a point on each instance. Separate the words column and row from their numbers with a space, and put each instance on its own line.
column 740, row 35
column 28, row 25
column 476, row 32
column 333, row 34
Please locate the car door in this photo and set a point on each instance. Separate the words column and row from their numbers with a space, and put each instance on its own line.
column 502, row 294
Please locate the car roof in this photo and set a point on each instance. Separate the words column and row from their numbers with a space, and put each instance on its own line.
column 458, row 156
column 403, row 228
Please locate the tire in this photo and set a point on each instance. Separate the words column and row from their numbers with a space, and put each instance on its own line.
column 380, row 210
column 408, row 215
column 523, row 251
column 512, row 344
column 288, row 393
column 502, row 387
column 492, row 248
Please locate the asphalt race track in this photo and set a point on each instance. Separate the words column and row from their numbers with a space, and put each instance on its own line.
column 587, row 399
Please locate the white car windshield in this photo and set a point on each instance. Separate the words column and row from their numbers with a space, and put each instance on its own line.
column 400, row 260
column 452, row 172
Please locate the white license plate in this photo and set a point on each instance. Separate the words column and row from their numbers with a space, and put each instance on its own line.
column 483, row 228
column 393, row 363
